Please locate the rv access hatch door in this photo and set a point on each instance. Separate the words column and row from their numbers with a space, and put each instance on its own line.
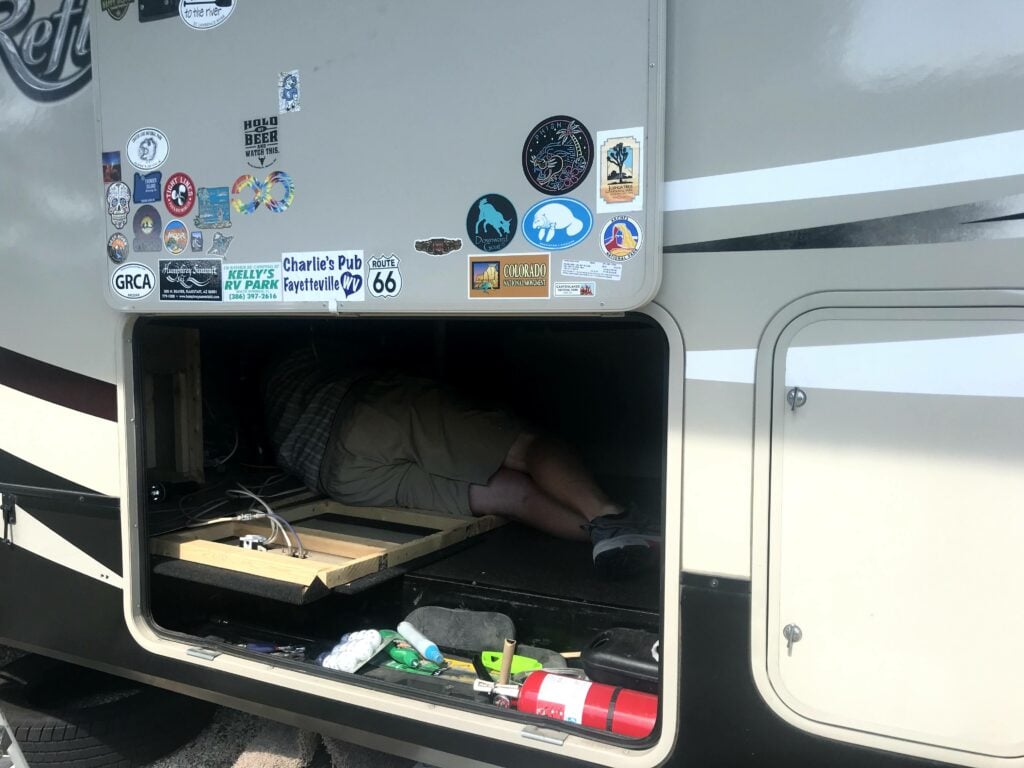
column 381, row 157
column 893, row 530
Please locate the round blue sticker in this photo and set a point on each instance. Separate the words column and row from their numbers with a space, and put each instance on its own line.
column 557, row 223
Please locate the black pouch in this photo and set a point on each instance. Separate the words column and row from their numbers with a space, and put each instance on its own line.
column 623, row 657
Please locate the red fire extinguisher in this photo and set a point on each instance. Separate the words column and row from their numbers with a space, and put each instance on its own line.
column 619, row 710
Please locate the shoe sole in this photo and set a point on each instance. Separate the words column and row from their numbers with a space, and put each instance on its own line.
column 623, row 556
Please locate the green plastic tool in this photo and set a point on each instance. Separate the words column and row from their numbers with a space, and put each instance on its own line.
column 492, row 660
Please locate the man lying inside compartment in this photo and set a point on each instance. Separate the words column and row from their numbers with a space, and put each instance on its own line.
column 388, row 439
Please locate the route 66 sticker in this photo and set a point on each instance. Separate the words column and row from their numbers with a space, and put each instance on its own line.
column 384, row 277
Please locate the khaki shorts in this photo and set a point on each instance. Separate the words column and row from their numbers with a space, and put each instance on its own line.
column 410, row 443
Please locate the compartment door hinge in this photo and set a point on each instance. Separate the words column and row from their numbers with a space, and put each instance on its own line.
column 7, row 502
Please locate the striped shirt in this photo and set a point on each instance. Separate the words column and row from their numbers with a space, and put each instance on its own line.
column 302, row 396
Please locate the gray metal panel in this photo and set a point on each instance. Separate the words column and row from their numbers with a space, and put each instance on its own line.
column 409, row 113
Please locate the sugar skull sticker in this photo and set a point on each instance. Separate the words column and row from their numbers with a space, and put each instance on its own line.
column 118, row 203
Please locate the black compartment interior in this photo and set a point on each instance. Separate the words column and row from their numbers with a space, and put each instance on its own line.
column 599, row 384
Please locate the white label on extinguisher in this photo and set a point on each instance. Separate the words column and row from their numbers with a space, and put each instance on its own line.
column 562, row 698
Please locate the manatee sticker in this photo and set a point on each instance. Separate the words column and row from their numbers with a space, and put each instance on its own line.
column 557, row 223
column 621, row 238
column 491, row 222
column 557, row 155
column 148, row 226
column 148, row 149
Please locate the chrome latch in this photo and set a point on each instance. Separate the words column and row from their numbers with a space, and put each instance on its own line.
column 7, row 502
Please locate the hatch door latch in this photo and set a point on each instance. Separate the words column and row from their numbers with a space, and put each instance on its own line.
column 7, row 502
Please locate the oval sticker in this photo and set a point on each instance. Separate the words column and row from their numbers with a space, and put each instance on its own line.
column 557, row 223
column 133, row 281
column 205, row 14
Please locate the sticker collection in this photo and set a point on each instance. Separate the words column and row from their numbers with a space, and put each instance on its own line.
column 191, row 221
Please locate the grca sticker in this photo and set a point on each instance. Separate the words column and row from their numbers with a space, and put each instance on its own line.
column 586, row 289
column 439, row 246
column 221, row 243
column 557, row 224
column 179, row 194
column 600, row 270
column 119, row 199
column 289, row 95
column 619, row 186
column 260, row 136
column 117, row 248
column 147, row 187
column 111, row 167
column 205, row 14
column 148, row 226
column 190, row 280
column 252, row 282
column 133, row 281
column 214, row 208
column 148, row 149
column 116, row 9
column 322, row 276
column 621, row 238
column 557, row 155
column 511, row 276
column 175, row 237
column 491, row 222
column 383, row 277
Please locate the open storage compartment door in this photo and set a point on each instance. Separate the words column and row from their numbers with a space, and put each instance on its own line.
column 451, row 155
column 890, row 478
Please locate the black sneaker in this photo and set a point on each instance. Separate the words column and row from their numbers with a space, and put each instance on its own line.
column 620, row 549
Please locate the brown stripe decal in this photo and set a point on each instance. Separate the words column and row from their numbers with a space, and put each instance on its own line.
column 58, row 385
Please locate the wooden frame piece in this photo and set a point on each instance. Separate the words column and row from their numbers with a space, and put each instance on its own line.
column 333, row 558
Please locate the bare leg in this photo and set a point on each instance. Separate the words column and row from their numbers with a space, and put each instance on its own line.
column 560, row 474
column 514, row 495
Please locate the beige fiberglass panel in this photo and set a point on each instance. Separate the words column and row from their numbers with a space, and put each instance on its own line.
column 896, row 528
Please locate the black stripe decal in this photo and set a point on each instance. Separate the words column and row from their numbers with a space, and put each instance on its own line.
column 989, row 220
column 58, row 385
column 611, row 709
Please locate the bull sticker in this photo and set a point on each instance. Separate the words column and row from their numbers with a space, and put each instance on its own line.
column 119, row 199
column 289, row 96
column 190, row 280
column 214, row 208
column 117, row 248
column 323, row 276
column 46, row 55
column 175, row 237
column 260, row 139
column 148, row 227
column 557, row 223
column 620, row 154
column 621, row 238
column 133, row 281
column 148, row 148
column 147, row 187
column 510, row 276
column 557, row 155
column 116, row 9
column 439, row 246
column 252, row 282
column 111, row 167
column 491, row 222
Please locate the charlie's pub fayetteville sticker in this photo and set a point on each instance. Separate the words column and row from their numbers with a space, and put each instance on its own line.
column 190, row 280
column 557, row 155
